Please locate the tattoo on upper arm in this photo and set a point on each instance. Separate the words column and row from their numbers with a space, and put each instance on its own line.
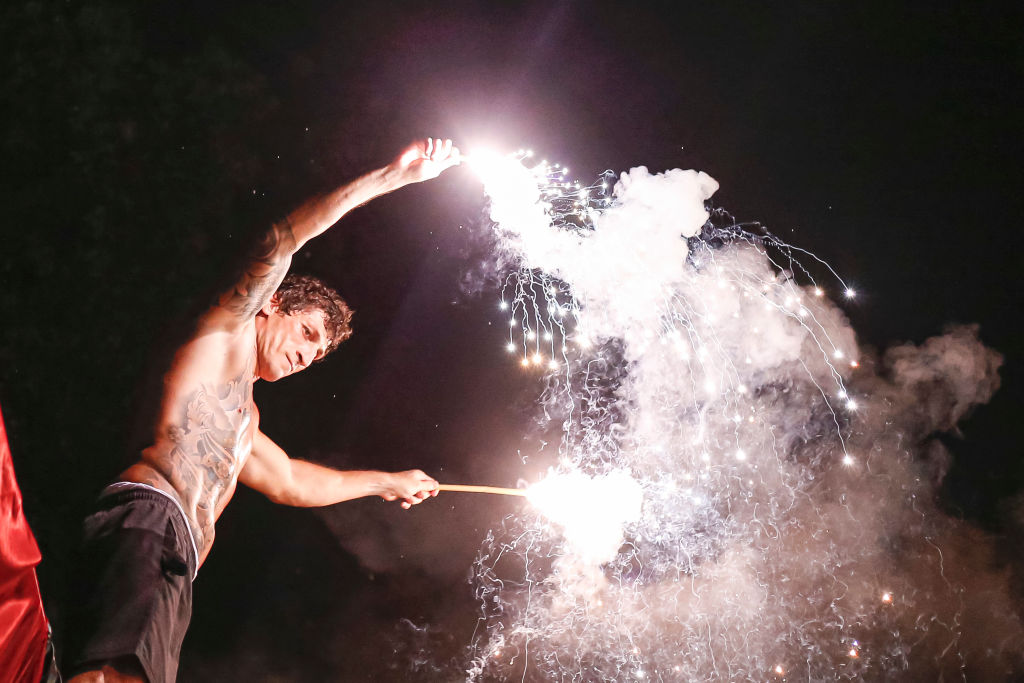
column 264, row 272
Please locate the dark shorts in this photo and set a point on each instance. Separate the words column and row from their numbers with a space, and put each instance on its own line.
column 133, row 587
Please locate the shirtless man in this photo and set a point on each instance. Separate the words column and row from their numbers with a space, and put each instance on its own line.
column 155, row 527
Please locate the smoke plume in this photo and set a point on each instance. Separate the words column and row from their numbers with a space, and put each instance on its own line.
column 789, row 525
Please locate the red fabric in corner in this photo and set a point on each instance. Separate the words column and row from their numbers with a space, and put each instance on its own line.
column 23, row 627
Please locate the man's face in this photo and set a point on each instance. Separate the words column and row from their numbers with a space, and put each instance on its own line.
column 286, row 344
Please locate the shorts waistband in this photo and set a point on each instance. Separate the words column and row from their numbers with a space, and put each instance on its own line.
column 124, row 491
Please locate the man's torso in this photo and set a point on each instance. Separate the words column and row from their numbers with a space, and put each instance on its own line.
column 205, row 427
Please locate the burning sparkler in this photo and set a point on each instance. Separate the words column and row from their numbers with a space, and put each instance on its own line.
column 591, row 511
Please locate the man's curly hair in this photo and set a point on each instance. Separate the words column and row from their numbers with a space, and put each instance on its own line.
column 301, row 293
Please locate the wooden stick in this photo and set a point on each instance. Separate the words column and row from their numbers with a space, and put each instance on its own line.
column 481, row 489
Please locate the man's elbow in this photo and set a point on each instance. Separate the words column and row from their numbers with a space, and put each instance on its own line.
column 277, row 497
column 283, row 494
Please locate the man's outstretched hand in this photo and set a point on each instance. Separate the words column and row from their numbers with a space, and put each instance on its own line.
column 424, row 160
column 412, row 487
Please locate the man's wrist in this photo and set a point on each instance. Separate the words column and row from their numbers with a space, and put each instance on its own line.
column 384, row 482
column 390, row 179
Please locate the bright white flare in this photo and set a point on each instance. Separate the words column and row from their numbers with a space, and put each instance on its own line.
column 592, row 511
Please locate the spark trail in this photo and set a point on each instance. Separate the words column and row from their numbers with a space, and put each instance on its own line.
column 787, row 526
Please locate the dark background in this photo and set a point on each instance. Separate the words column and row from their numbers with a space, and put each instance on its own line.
column 144, row 144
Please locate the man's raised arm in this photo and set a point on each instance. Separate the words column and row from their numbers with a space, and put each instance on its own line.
column 269, row 264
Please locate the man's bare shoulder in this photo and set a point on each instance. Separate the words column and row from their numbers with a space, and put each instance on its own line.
column 222, row 318
column 215, row 352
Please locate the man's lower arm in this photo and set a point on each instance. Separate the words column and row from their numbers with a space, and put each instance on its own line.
column 315, row 216
column 316, row 486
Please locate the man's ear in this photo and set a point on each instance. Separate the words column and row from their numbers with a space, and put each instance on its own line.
column 271, row 307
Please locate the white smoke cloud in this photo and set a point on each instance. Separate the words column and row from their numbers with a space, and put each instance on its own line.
column 945, row 377
column 789, row 526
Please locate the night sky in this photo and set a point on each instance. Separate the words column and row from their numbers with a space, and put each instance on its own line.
column 146, row 144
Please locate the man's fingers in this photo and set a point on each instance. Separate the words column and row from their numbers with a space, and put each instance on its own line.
column 418, row 497
column 441, row 149
column 424, row 481
column 417, row 486
column 430, row 157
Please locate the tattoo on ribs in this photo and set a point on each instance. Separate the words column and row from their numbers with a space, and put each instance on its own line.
column 204, row 459
column 268, row 266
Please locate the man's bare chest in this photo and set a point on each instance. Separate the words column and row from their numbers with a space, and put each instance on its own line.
column 211, row 423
